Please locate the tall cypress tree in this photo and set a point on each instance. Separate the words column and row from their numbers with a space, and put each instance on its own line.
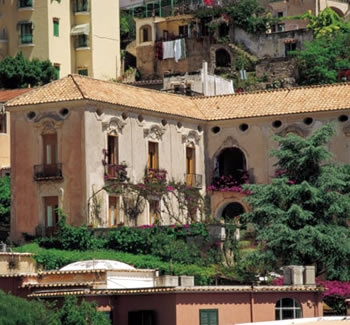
column 303, row 216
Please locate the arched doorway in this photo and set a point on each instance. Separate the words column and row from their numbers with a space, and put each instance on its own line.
column 232, row 211
column 231, row 163
column 222, row 58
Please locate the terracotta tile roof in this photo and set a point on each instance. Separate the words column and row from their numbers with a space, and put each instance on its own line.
column 76, row 87
column 256, row 104
column 196, row 289
column 276, row 102
column 15, row 254
column 61, row 284
column 8, row 94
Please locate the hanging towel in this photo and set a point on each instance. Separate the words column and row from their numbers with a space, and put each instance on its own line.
column 177, row 50
column 168, row 50
column 183, row 48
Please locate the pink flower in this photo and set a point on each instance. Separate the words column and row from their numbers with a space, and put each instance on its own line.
column 291, row 182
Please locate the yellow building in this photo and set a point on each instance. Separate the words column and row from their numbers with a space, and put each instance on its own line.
column 77, row 36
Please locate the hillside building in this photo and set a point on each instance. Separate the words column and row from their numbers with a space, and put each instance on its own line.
column 77, row 36
column 75, row 133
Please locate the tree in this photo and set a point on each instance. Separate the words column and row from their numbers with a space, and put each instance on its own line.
column 84, row 314
column 5, row 200
column 323, row 59
column 302, row 216
column 19, row 72
column 18, row 311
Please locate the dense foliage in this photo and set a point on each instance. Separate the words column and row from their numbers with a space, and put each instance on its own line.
column 19, row 72
column 18, row 311
column 328, row 54
column 50, row 259
column 127, row 26
column 183, row 244
column 246, row 14
column 302, row 216
column 5, row 200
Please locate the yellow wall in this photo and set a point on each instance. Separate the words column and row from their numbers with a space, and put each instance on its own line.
column 5, row 146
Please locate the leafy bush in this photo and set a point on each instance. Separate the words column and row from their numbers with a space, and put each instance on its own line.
column 18, row 311
column 50, row 259
column 5, row 200
column 69, row 237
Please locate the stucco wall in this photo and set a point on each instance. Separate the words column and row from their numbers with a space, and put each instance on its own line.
column 133, row 149
column 27, row 210
column 235, row 308
column 5, row 145
column 257, row 142
column 105, row 39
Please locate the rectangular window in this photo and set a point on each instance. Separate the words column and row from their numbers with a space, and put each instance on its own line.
column 81, row 5
column 144, row 317
column 280, row 27
column 50, row 155
column 56, row 27
column 153, row 161
column 113, row 211
column 289, row 47
column 81, row 41
column 26, row 36
column 83, row 72
column 183, row 30
column 208, row 317
column 25, row 3
column 51, row 217
column 3, row 122
column 153, row 212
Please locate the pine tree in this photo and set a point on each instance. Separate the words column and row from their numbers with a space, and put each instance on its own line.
column 302, row 217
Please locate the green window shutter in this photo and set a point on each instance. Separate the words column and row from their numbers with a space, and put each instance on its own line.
column 208, row 317
column 83, row 72
column 56, row 30
column 57, row 68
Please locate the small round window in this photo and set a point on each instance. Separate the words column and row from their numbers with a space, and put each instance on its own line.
column 31, row 115
column 243, row 127
column 287, row 308
column 65, row 111
column 215, row 129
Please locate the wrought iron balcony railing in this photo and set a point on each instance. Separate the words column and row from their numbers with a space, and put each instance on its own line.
column 156, row 175
column 47, row 172
column 116, row 172
column 194, row 180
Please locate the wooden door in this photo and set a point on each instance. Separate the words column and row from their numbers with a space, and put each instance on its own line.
column 190, row 165
column 153, row 212
column 153, row 155
column 113, row 158
column 51, row 217
column 50, row 154
column 113, row 211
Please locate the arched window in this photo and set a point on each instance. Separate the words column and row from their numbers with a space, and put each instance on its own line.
column 338, row 11
column 232, row 162
column 222, row 58
column 288, row 308
column 145, row 34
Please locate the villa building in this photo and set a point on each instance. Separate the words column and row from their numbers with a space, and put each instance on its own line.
column 70, row 137
column 78, row 36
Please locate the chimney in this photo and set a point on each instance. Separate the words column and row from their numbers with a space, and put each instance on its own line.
column 299, row 275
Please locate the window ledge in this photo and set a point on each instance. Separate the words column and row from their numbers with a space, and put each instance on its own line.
column 81, row 13
column 82, row 48
column 26, row 45
column 26, row 9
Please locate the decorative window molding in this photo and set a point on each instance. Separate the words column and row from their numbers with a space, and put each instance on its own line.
column 192, row 136
column 48, row 122
column 114, row 126
column 293, row 129
column 155, row 132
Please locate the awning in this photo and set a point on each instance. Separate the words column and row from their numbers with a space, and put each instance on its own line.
column 80, row 29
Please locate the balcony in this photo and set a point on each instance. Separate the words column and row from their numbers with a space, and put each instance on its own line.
column 48, row 172
column 230, row 183
column 194, row 180
column 116, row 173
column 155, row 176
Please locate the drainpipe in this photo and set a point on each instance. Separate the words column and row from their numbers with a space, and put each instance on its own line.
column 252, row 306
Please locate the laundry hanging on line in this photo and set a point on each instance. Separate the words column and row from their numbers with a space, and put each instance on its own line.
column 174, row 49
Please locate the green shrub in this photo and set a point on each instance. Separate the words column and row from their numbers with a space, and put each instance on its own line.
column 50, row 259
